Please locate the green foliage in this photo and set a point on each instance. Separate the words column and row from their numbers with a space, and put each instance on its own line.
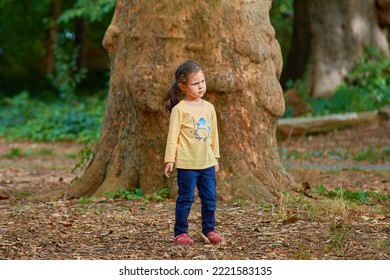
column 367, row 88
column 25, row 29
column 84, row 200
column 157, row 196
column 371, row 76
column 357, row 196
column 138, row 193
column 17, row 152
column 14, row 153
column 293, row 154
column 16, row 111
column 91, row 10
column 282, row 19
column 85, row 154
column 126, row 194
column 374, row 153
column 22, row 43
column 67, row 75
column 24, row 118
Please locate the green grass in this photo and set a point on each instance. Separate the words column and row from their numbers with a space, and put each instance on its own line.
column 352, row 195
column 14, row 153
column 124, row 194
column 17, row 152
column 44, row 152
column 371, row 154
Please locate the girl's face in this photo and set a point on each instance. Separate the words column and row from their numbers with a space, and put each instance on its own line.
column 195, row 87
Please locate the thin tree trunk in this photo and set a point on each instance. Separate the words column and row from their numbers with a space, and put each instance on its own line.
column 299, row 53
column 51, row 37
column 383, row 13
column 81, row 41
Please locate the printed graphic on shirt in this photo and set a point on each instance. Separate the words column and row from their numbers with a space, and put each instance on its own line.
column 202, row 129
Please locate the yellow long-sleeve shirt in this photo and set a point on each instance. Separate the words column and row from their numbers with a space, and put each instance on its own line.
column 192, row 141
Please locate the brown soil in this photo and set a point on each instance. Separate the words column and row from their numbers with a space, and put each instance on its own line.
column 301, row 226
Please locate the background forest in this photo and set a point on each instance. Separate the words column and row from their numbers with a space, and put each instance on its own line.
column 54, row 70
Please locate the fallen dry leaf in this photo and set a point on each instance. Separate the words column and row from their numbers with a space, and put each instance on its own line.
column 379, row 217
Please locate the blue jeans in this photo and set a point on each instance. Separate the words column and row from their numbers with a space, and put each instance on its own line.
column 205, row 180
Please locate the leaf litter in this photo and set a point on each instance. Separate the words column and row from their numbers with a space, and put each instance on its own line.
column 297, row 228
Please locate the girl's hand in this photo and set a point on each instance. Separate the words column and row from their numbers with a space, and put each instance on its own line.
column 217, row 167
column 168, row 169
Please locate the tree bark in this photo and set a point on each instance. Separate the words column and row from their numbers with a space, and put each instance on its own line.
column 329, row 37
column 383, row 13
column 51, row 37
column 235, row 43
column 340, row 29
column 81, row 41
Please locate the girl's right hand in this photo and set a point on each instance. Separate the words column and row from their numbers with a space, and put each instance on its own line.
column 168, row 169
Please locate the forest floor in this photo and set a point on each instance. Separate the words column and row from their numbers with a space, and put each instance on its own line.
column 315, row 223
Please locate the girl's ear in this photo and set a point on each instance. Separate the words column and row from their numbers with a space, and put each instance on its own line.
column 181, row 86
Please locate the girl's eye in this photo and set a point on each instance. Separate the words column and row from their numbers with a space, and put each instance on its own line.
column 197, row 84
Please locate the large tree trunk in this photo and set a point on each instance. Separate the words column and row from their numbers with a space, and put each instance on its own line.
column 235, row 43
column 338, row 32
column 341, row 30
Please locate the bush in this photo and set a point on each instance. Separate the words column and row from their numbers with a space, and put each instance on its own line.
column 29, row 119
column 367, row 88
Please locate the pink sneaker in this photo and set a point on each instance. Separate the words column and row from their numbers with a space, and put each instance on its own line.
column 215, row 238
column 183, row 239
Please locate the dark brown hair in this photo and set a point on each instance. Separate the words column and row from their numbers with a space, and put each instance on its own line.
column 181, row 75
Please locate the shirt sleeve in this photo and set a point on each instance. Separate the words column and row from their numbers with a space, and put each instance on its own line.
column 173, row 135
column 215, row 138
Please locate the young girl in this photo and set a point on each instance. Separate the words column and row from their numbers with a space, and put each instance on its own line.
column 192, row 145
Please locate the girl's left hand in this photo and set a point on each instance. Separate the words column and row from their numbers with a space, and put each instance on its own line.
column 216, row 167
column 168, row 169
